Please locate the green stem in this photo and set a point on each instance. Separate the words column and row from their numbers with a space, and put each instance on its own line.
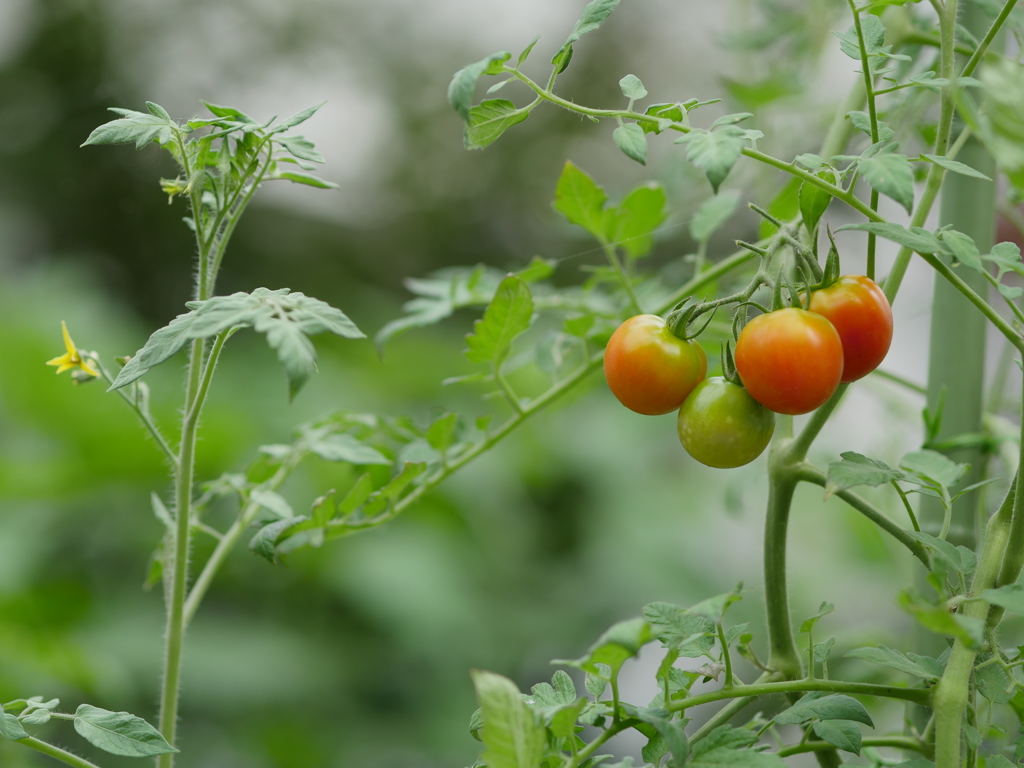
column 726, row 656
column 783, row 656
column 947, row 31
column 951, row 692
column 846, row 196
column 899, row 742
column 916, row 695
column 60, row 754
column 997, row 24
column 869, row 90
column 810, row 474
column 906, row 505
column 177, row 557
column 726, row 713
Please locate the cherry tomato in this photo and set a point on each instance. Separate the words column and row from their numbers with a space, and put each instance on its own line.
column 790, row 360
column 650, row 369
column 857, row 308
column 722, row 426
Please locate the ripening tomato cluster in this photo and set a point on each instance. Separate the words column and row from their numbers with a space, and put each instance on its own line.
column 790, row 361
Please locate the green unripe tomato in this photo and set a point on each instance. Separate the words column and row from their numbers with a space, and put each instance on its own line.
column 722, row 426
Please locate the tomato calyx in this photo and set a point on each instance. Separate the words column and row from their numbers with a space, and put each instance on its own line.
column 684, row 317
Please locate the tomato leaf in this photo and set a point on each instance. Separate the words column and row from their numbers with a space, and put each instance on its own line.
column 1010, row 597
column 620, row 642
column 836, row 706
column 685, row 633
column 814, row 200
column 287, row 318
column 632, row 88
column 915, row 238
column 844, row 734
column 460, row 90
column 306, row 179
column 956, row 167
column 297, row 118
column 938, row 619
column 512, row 738
column 139, row 128
column 489, row 119
column 581, row 201
column 924, row 667
column 854, row 470
column 715, row 152
column 712, row 214
column 632, row 224
column 963, row 248
column 726, row 747
column 300, row 147
column 347, row 448
column 891, row 174
column 631, row 140
column 947, row 556
column 824, row 610
column 10, row 727
column 934, row 466
column 120, row 733
column 594, row 14
column 507, row 316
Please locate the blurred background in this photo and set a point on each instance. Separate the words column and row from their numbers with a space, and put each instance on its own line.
column 359, row 653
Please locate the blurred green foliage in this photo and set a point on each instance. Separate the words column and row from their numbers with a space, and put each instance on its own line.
column 356, row 654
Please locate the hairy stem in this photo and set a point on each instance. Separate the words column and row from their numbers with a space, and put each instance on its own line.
column 56, row 752
column 916, row 695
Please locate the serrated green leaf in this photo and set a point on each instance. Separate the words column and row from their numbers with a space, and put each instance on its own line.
column 356, row 496
column 287, row 319
column 539, row 268
column 10, row 727
column 222, row 111
column 507, row 316
column 298, row 118
column 934, row 466
column 895, row 660
column 272, row 502
column 441, row 433
column 947, row 556
column 963, row 248
column 581, row 201
column 348, row 449
column 715, row 153
column 460, row 90
column 300, row 147
column 714, row 608
column 264, row 543
column 891, row 174
column 631, row 140
column 512, row 738
column 594, row 14
column 1009, row 597
column 595, row 682
column 306, row 179
column 916, row 239
column 956, row 167
column 874, row 37
column 620, row 642
column 725, row 747
column 993, row 682
column 824, row 610
column 862, row 121
column 138, row 128
column 712, row 214
column 814, row 200
column 854, row 470
column 632, row 88
column 938, row 619
column 489, row 119
column 120, row 733
column 844, row 734
column 823, row 650
column 633, row 223
column 835, row 706
column 526, row 51
column 688, row 634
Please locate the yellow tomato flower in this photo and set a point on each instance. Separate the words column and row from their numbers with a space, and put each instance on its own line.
column 72, row 358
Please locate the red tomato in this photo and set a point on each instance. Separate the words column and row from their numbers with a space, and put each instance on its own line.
column 650, row 369
column 858, row 309
column 790, row 361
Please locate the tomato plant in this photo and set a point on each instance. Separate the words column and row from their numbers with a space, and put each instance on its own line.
column 722, row 426
column 790, row 361
column 650, row 369
column 859, row 311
